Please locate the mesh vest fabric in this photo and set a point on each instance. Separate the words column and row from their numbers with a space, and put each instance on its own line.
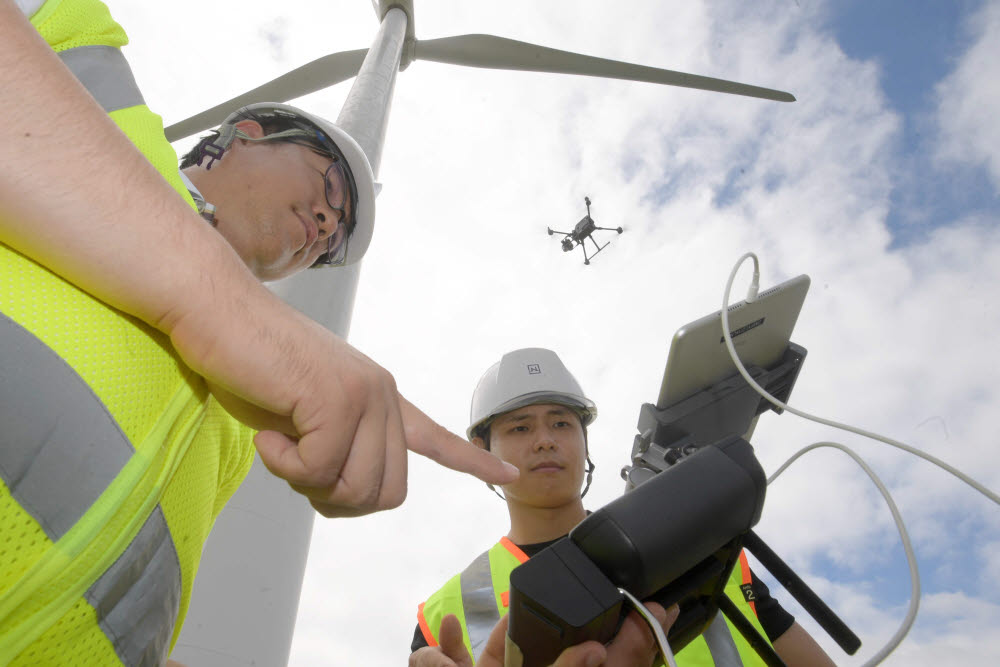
column 139, row 379
column 503, row 559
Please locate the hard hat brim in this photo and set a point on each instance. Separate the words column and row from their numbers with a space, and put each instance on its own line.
column 583, row 406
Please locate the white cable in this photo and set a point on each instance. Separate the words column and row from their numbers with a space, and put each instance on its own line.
column 911, row 559
column 760, row 390
column 654, row 626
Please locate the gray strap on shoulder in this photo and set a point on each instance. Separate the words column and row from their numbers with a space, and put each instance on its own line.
column 29, row 7
column 105, row 74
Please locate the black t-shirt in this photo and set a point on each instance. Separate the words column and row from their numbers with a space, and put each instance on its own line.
column 772, row 616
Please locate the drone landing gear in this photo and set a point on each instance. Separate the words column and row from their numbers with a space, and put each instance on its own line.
column 586, row 258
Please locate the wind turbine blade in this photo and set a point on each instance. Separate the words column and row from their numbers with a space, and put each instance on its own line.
column 494, row 52
column 316, row 75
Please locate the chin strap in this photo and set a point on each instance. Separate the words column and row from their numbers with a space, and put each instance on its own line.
column 205, row 209
column 590, row 475
column 214, row 148
column 590, row 478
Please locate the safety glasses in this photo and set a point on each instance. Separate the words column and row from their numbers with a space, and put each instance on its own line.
column 341, row 196
column 337, row 186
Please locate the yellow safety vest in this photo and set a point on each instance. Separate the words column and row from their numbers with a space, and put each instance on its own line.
column 479, row 597
column 106, row 503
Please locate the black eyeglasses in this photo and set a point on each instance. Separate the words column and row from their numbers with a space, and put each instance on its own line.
column 335, row 170
column 335, row 178
column 321, row 144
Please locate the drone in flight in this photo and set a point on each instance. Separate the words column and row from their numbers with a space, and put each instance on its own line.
column 583, row 231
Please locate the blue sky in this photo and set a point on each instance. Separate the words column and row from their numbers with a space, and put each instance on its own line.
column 916, row 44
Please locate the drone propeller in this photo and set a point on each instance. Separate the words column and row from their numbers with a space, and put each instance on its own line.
column 487, row 51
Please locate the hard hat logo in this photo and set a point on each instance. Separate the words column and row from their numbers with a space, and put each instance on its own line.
column 534, row 369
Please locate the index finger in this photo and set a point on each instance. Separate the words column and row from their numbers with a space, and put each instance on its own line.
column 428, row 438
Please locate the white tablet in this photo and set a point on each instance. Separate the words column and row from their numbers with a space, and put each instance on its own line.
column 761, row 331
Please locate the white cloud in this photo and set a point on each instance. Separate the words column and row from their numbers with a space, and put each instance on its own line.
column 969, row 99
column 275, row 36
column 953, row 629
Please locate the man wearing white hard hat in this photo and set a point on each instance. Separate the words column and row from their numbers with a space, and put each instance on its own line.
column 134, row 326
column 530, row 411
column 266, row 162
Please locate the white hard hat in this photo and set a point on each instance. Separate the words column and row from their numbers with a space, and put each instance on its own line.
column 525, row 377
column 361, row 179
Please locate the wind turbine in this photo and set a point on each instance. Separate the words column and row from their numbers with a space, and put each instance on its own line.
column 213, row 634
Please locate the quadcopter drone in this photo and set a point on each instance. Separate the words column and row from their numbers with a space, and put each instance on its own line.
column 581, row 232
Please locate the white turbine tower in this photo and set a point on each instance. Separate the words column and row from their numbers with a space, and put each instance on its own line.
column 246, row 595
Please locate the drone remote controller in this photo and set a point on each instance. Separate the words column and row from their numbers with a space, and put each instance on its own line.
column 674, row 539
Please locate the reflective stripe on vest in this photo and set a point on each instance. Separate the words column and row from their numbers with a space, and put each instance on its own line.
column 475, row 596
column 105, row 74
column 720, row 643
column 479, row 602
column 59, row 451
column 29, row 7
